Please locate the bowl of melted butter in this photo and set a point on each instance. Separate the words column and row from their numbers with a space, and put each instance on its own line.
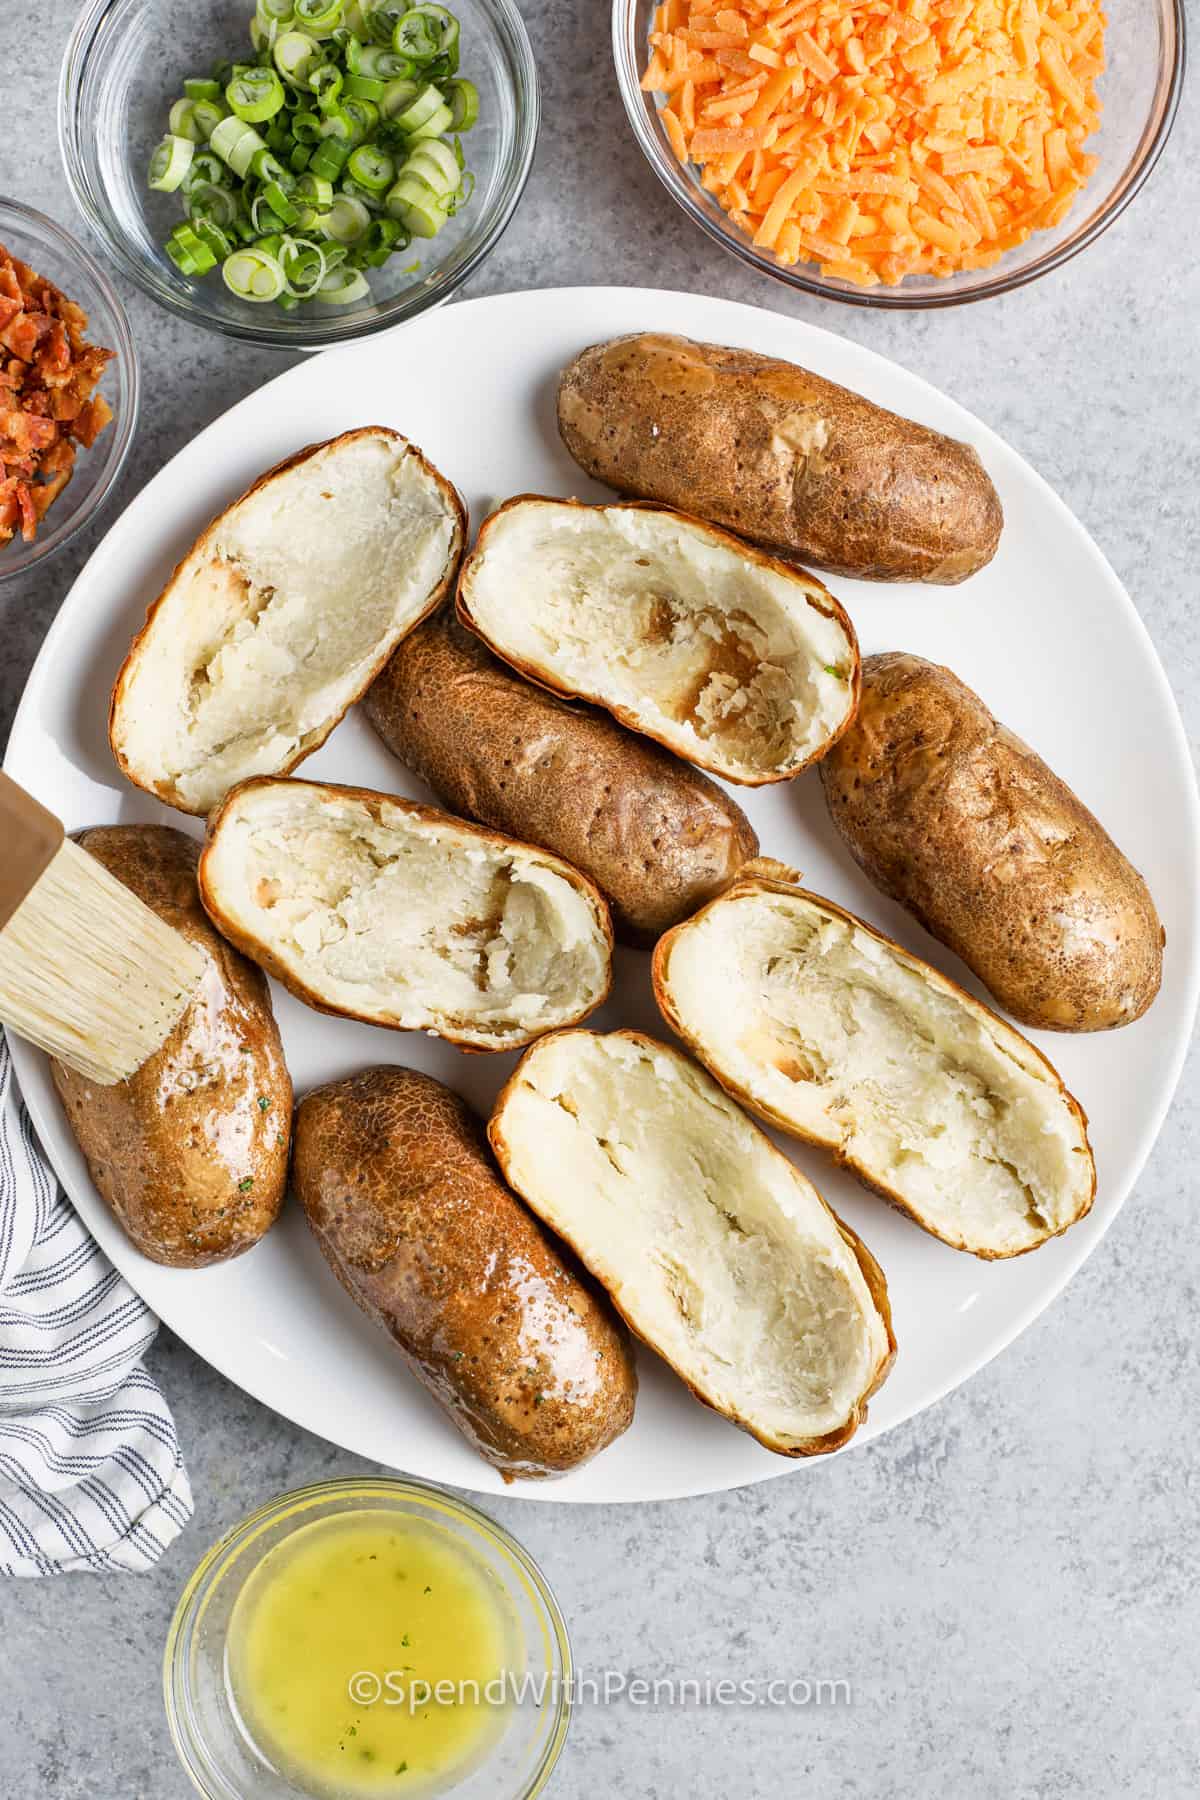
column 375, row 1639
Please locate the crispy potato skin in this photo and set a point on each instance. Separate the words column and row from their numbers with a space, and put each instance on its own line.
column 808, row 468
column 656, row 836
column 768, row 876
column 191, row 1152
column 960, row 821
column 872, row 1273
column 261, row 953
column 166, row 791
column 406, row 1203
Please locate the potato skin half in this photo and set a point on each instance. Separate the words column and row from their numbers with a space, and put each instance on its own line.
column 768, row 876
column 656, row 836
column 782, row 456
column 260, row 953
column 167, row 791
column 872, row 1274
column 190, row 1153
column 402, row 1195
column 955, row 817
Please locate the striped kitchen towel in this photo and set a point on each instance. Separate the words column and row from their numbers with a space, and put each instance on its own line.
column 91, row 1475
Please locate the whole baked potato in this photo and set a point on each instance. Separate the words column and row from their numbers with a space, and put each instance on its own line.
column 403, row 1197
column 808, row 468
column 191, row 1151
column 656, row 836
column 960, row 821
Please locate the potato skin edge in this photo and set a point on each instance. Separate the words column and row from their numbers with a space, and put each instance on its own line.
column 260, row 954
column 824, row 603
column 872, row 1274
column 768, row 876
column 166, row 791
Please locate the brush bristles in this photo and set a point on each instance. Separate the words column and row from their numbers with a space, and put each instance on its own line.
column 89, row 973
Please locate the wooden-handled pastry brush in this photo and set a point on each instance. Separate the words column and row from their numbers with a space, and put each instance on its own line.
column 87, row 971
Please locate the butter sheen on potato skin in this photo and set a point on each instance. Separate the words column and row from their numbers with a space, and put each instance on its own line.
column 951, row 814
column 190, row 1153
column 406, row 1203
column 655, row 835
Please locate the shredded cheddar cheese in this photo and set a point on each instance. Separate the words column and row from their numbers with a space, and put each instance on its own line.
column 883, row 138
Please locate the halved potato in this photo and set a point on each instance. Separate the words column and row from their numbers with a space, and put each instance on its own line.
column 828, row 1029
column 280, row 615
column 713, row 1246
column 740, row 663
column 396, row 914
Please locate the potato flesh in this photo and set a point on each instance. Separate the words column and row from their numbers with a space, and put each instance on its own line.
column 414, row 923
column 714, row 653
column 717, row 1250
column 266, row 639
column 854, row 1048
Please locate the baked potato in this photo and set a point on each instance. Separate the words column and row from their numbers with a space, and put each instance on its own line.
column 957, row 819
column 738, row 662
column 395, row 1178
column 829, row 1030
column 656, row 836
column 382, row 910
column 280, row 614
column 190, row 1153
column 781, row 456
column 712, row 1245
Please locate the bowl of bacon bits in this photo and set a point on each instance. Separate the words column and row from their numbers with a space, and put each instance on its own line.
column 902, row 153
column 68, row 387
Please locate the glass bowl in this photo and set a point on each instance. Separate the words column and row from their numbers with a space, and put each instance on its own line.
column 125, row 62
column 200, row 1712
column 1140, row 90
column 50, row 251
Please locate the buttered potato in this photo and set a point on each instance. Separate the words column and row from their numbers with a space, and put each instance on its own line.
column 191, row 1152
column 961, row 822
column 402, row 1195
column 779, row 455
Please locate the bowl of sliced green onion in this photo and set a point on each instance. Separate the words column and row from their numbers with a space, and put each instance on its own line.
column 298, row 172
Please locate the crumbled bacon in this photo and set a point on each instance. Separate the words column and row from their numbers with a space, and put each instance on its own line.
column 48, row 399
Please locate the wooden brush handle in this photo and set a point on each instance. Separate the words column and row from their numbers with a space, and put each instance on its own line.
column 30, row 839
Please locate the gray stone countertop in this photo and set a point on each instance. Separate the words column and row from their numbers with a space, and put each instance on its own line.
column 1008, row 1582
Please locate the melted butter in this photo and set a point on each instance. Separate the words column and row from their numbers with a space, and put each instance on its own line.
column 351, row 1602
column 672, row 365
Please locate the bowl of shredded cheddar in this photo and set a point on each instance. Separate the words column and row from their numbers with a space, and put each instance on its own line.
column 901, row 152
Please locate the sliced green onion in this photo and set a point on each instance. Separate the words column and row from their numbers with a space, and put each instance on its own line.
column 236, row 143
column 273, row 12
column 384, row 15
column 437, row 165
column 314, row 190
column 208, row 201
column 364, row 87
column 383, row 238
column 462, row 97
column 299, row 158
column 253, row 274
column 218, row 241
column 425, row 32
column 306, row 127
column 266, row 166
column 295, row 55
column 319, row 16
column 346, row 221
column 423, row 106
column 264, row 219
column 208, row 115
column 357, row 16
column 192, row 254
column 197, row 88
column 326, row 84
column 181, row 121
column 342, row 288
column 371, row 168
column 373, row 201
column 329, row 158
column 279, row 203
column 398, row 96
column 255, row 95
column 434, row 126
column 417, row 207
column 170, row 163
column 205, row 166
column 304, row 266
